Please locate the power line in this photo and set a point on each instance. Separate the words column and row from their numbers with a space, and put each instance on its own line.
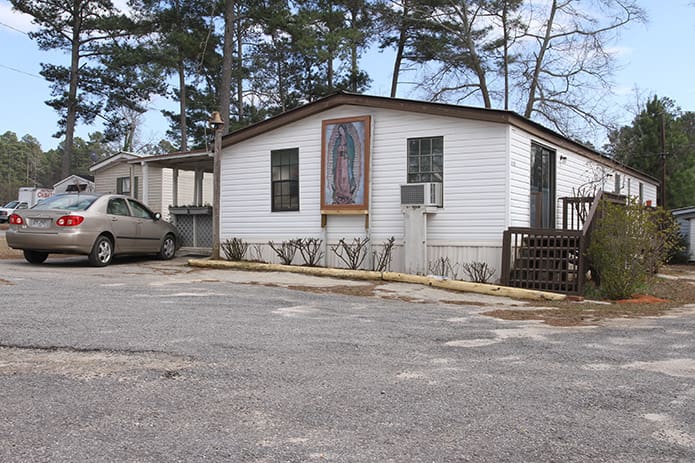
column 13, row 28
column 20, row 71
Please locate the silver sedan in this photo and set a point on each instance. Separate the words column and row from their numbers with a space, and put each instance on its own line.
column 99, row 226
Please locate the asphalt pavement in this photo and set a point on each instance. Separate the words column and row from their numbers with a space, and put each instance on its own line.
column 156, row 361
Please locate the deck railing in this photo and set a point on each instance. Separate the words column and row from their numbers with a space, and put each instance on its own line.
column 553, row 259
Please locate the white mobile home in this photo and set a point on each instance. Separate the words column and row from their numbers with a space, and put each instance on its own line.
column 446, row 181
column 686, row 219
column 74, row 183
column 158, row 186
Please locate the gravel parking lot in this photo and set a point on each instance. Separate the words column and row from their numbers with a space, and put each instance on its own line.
column 156, row 361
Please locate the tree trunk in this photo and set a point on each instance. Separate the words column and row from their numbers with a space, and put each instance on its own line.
column 505, row 51
column 240, row 75
column 224, row 91
column 400, row 49
column 531, row 102
column 182, row 106
column 71, row 116
column 475, row 58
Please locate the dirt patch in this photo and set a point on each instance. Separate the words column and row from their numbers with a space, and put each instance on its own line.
column 642, row 299
column 86, row 364
column 664, row 295
column 7, row 252
column 475, row 303
column 348, row 290
column 580, row 315
column 409, row 299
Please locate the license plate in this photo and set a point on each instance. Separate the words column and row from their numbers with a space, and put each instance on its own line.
column 39, row 223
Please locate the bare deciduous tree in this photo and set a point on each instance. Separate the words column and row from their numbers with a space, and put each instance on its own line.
column 549, row 60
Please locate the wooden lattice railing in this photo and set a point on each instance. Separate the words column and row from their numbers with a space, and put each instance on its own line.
column 553, row 259
column 543, row 259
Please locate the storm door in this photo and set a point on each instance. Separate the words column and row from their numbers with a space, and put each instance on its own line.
column 542, row 187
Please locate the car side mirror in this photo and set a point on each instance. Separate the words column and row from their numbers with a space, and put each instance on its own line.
column 157, row 216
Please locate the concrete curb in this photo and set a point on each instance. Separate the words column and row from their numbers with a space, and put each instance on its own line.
column 455, row 285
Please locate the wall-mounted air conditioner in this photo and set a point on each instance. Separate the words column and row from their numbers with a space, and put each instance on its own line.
column 422, row 194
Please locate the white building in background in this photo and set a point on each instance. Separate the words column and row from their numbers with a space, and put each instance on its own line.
column 157, row 185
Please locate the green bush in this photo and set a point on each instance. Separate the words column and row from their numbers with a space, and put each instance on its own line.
column 628, row 244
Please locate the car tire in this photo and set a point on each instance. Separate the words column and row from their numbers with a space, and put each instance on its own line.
column 168, row 249
column 102, row 252
column 35, row 257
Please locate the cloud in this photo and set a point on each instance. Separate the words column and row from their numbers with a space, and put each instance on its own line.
column 14, row 19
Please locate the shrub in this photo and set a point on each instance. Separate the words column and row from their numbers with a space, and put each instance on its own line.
column 381, row 261
column 285, row 250
column 478, row 272
column 352, row 254
column 628, row 244
column 444, row 268
column 234, row 249
column 680, row 254
column 310, row 250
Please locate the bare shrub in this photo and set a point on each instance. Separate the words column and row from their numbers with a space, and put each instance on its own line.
column 382, row 258
column 352, row 254
column 310, row 249
column 478, row 272
column 257, row 253
column 234, row 249
column 285, row 250
column 444, row 268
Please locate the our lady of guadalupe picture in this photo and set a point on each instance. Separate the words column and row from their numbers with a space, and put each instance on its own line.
column 345, row 165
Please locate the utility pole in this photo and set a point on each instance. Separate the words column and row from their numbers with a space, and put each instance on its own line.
column 662, row 145
column 216, row 124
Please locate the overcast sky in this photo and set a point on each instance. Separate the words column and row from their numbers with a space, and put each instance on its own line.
column 656, row 58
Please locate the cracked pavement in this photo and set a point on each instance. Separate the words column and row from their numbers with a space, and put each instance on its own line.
column 156, row 361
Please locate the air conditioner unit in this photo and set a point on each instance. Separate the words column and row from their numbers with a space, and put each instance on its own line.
column 421, row 194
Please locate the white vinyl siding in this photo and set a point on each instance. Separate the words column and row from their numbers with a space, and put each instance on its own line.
column 106, row 179
column 520, row 179
column 486, row 185
column 474, row 181
column 575, row 175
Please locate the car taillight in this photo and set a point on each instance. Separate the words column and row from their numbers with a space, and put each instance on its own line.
column 16, row 220
column 69, row 220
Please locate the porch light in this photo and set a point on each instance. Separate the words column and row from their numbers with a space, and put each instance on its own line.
column 215, row 122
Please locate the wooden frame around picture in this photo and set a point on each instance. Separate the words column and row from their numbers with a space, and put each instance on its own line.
column 345, row 154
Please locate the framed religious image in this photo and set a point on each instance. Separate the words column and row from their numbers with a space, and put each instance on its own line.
column 345, row 165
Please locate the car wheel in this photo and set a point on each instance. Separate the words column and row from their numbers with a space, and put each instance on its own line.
column 35, row 257
column 168, row 248
column 102, row 252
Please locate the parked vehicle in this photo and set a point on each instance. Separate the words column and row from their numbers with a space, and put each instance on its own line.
column 99, row 226
column 33, row 195
column 7, row 210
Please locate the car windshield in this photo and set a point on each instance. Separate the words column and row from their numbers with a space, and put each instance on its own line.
column 67, row 202
column 11, row 204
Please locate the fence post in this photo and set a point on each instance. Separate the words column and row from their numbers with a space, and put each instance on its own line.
column 506, row 257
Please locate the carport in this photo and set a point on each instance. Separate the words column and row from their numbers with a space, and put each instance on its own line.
column 194, row 221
